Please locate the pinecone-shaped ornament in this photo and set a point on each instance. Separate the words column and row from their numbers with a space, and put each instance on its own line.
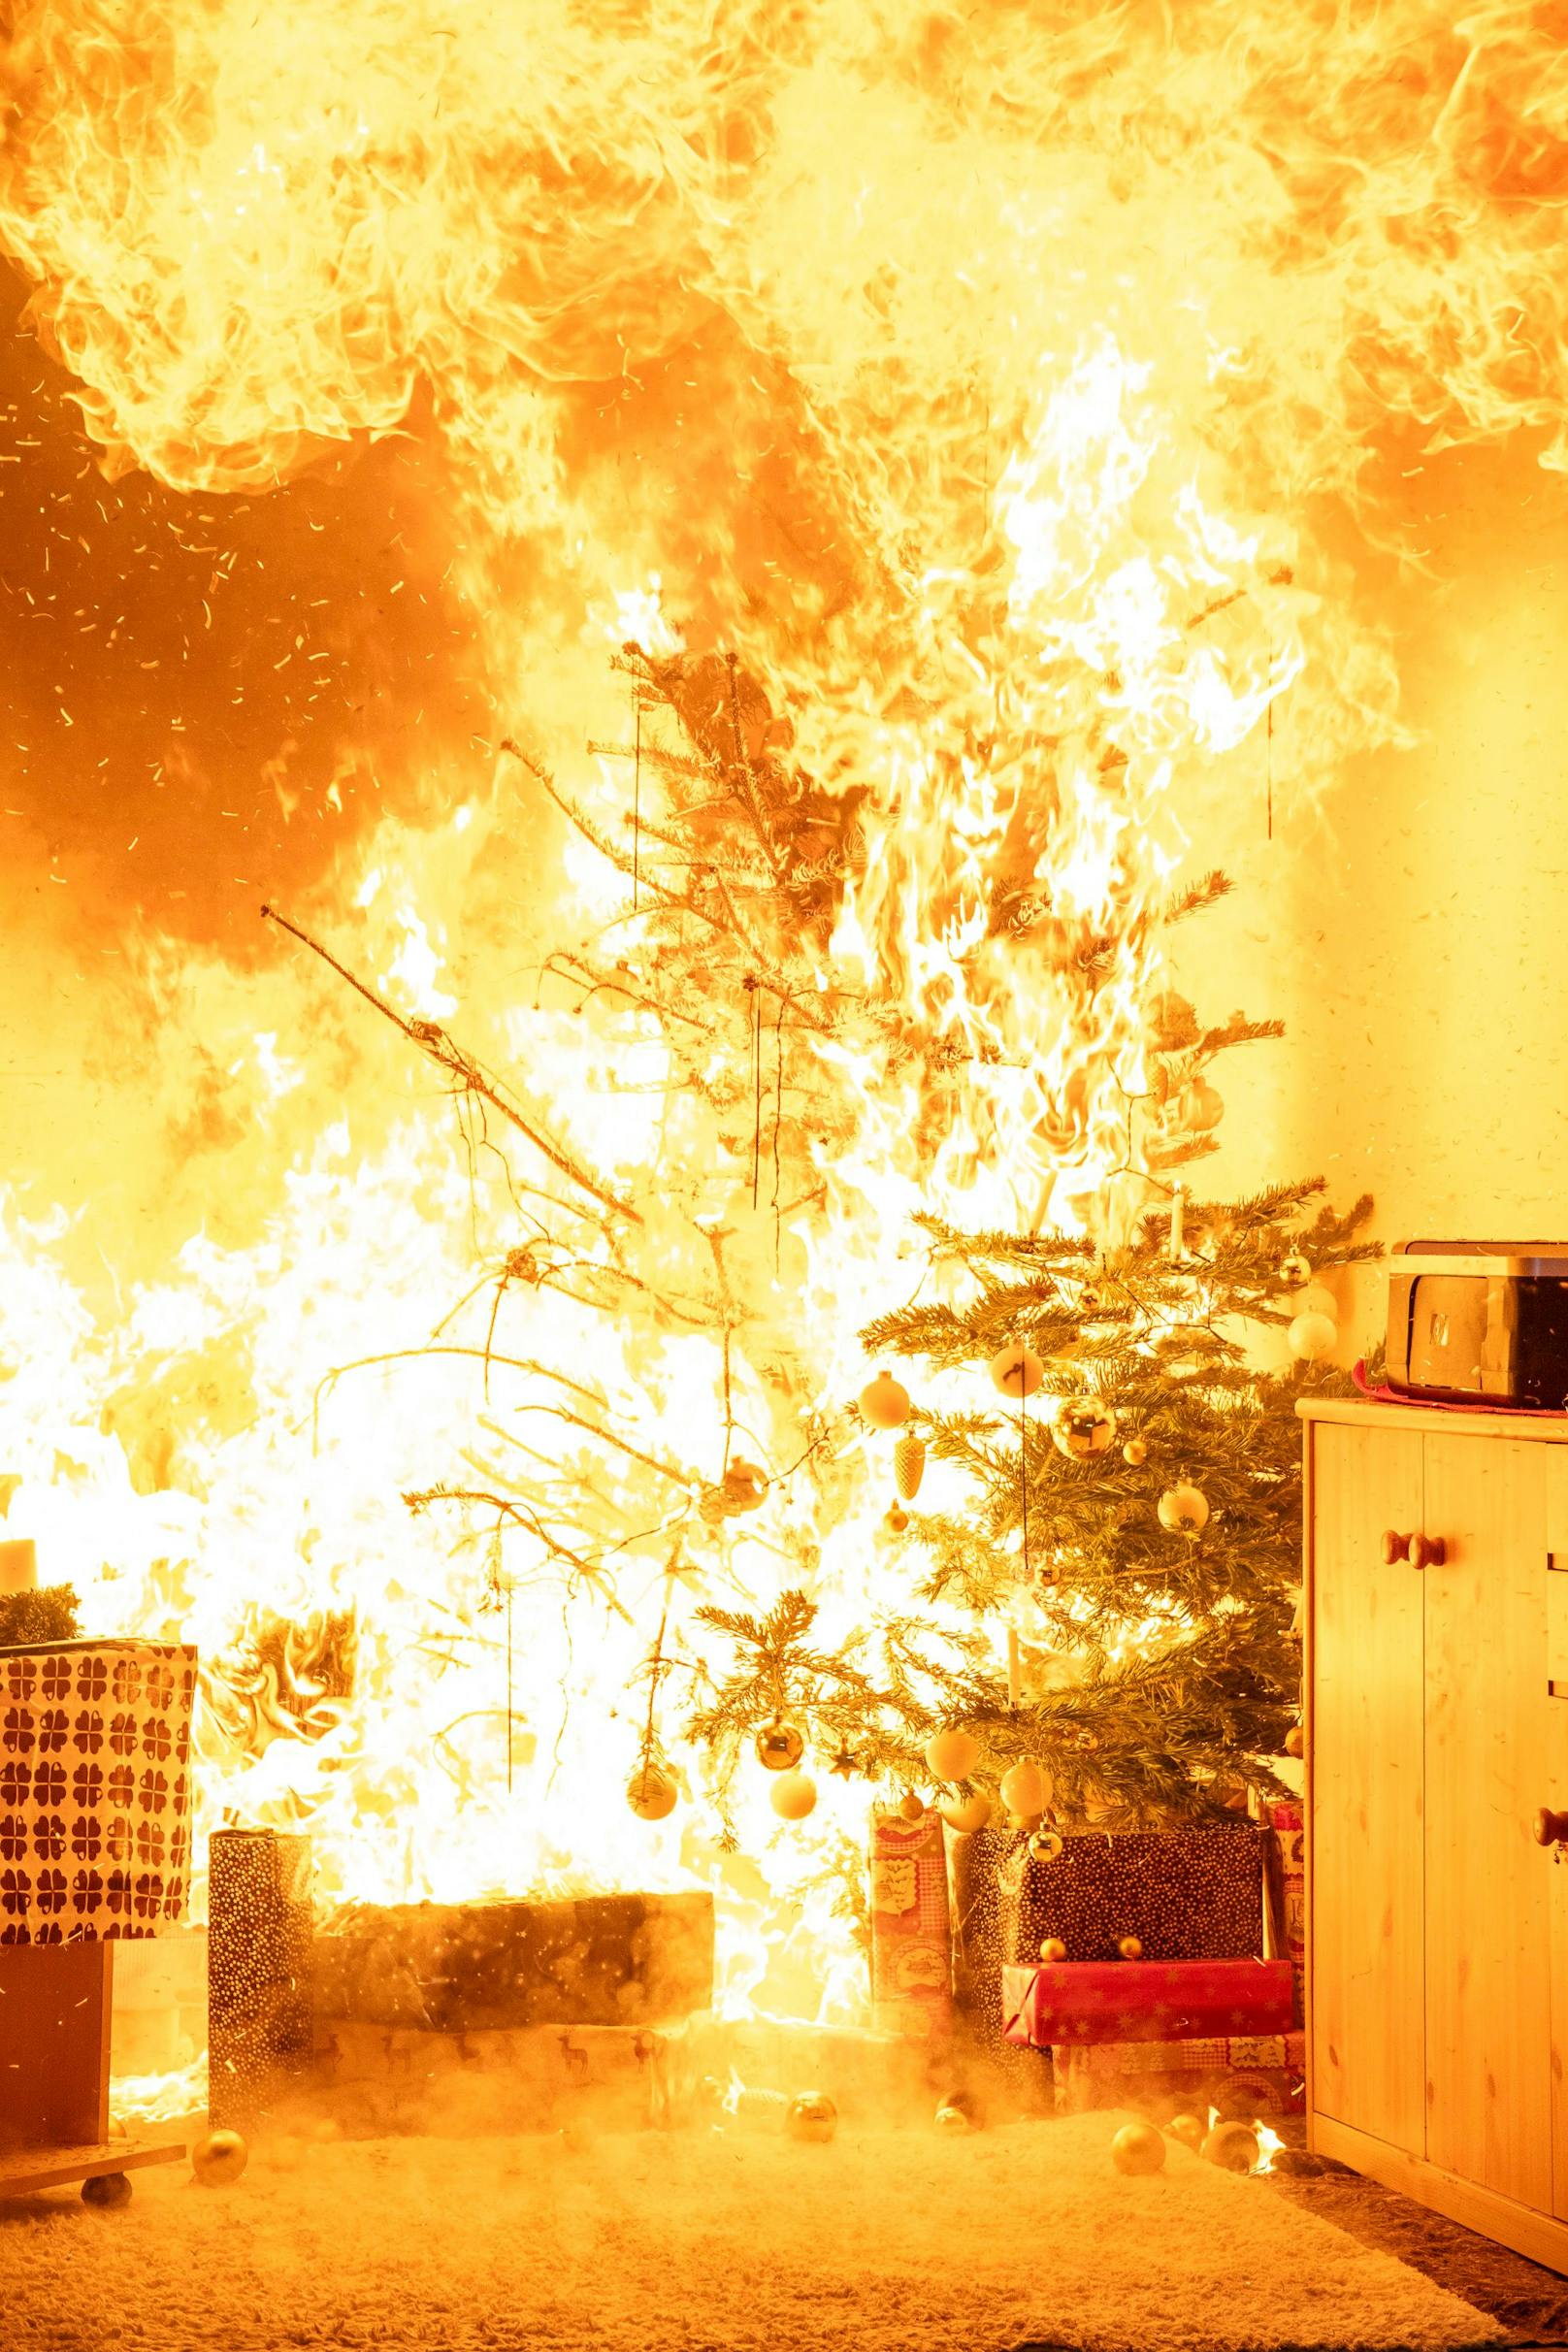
column 908, row 1465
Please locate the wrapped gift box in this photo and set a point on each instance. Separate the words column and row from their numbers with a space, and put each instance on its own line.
column 911, row 1935
column 1068, row 2002
column 1245, row 2076
column 1187, row 1894
column 1287, row 1870
column 94, row 1789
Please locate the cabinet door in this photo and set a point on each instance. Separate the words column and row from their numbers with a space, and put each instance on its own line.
column 1555, row 1867
column 1488, row 1894
column 1554, row 1731
column 1365, row 1786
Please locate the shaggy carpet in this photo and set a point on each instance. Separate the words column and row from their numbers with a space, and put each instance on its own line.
column 711, row 2241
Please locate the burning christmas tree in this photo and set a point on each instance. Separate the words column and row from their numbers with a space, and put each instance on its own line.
column 1127, row 1505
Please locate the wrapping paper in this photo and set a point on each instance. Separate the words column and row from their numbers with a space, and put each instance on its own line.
column 1066, row 2002
column 260, row 1967
column 1251, row 2076
column 94, row 1789
column 1187, row 1894
column 911, row 1932
column 1287, row 1867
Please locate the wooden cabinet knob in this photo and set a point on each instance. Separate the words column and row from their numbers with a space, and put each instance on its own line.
column 1394, row 1548
column 1549, row 1828
column 1427, row 1552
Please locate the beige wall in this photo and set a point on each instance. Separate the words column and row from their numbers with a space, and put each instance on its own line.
column 1413, row 931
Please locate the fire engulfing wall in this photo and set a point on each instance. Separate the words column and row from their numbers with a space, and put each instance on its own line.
column 1055, row 410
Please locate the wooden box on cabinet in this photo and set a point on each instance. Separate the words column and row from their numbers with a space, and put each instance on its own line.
column 1437, row 1769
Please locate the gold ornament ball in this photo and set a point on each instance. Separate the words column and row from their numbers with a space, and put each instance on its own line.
column 1184, row 1510
column 1189, row 2131
column 1026, row 1789
column 1234, row 2147
column 1313, row 1336
column 107, row 2191
column 1052, row 1948
column 966, row 1814
column 779, row 1745
column 811, row 2117
column 1084, row 1429
column 1138, row 2149
column 1130, row 1947
column 912, row 1808
column 952, row 1753
column 218, row 2160
column 793, row 1795
column 908, row 1465
column 1045, row 1845
column 1136, row 1452
column 1295, row 1741
column 895, row 1519
column 1201, row 1107
column 651, row 1794
column 1016, row 1370
column 885, row 1402
column 1294, row 1270
column 952, row 2120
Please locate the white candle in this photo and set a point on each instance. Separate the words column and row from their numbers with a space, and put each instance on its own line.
column 1178, row 1220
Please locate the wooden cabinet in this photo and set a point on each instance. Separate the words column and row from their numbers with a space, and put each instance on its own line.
column 1437, row 1646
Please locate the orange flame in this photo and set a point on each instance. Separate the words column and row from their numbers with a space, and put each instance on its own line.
column 989, row 380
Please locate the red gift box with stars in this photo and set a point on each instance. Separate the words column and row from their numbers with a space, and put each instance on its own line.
column 94, row 1789
column 1070, row 2002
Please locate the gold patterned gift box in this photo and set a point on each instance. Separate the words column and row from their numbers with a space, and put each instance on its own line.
column 1185, row 1894
column 94, row 1789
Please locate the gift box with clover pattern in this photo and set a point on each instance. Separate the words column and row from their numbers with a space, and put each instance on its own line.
column 94, row 1789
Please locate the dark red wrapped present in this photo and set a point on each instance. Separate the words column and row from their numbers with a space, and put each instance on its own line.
column 1069, row 2001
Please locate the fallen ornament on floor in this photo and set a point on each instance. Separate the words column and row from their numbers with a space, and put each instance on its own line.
column 106, row 2191
column 1234, row 2147
column 812, row 2117
column 1138, row 2149
column 218, row 2160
